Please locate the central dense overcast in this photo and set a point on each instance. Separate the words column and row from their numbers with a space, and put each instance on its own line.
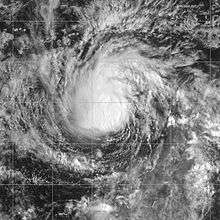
column 110, row 110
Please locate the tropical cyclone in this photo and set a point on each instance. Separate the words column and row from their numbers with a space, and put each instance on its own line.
column 100, row 104
column 124, row 123
column 105, row 93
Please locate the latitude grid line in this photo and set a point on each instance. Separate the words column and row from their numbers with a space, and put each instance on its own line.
column 69, row 184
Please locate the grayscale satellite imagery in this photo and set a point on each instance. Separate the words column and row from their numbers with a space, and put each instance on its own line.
column 109, row 109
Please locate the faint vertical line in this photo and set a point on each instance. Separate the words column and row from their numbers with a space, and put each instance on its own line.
column 210, row 59
column 93, row 107
column 13, row 147
column 170, row 128
column 52, row 193
column 13, row 181
column 93, row 156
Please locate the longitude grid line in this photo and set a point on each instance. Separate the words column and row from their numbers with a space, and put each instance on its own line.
column 210, row 66
column 13, row 147
column 52, row 167
column 170, row 133
column 93, row 120
column 210, row 50
column 52, row 196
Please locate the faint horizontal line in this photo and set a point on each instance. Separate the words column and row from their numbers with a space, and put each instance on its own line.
column 90, row 102
column 45, row 184
column 23, row 21
column 69, row 184
column 105, row 102
column 96, row 144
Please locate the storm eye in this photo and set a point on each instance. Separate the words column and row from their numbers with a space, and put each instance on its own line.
column 100, row 104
